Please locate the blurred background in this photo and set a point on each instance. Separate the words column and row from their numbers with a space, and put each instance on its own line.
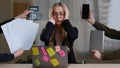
column 105, row 11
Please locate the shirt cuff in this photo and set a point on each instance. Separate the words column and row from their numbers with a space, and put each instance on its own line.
column 53, row 21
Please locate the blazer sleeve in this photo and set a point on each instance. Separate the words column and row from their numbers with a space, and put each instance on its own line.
column 111, row 33
column 71, row 31
column 5, row 23
column 47, row 32
column 6, row 57
column 110, row 55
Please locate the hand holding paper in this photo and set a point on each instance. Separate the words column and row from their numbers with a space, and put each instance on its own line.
column 20, row 33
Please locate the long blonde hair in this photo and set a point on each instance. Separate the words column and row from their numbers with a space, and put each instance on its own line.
column 64, row 38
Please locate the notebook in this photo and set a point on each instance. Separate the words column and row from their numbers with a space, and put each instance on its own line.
column 97, row 40
column 49, row 57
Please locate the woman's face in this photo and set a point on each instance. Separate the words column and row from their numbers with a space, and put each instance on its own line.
column 58, row 15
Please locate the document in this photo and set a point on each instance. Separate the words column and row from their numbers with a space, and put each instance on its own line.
column 20, row 33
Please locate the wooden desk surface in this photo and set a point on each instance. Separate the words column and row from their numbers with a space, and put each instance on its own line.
column 71, row 66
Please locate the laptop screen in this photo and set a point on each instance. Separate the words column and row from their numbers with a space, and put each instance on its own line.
column 49, row 57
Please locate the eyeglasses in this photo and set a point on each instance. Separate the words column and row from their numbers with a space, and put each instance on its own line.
column 56, row 14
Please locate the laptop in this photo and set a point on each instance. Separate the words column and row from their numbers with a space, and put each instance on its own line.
column 49, row 57
column 97, row 40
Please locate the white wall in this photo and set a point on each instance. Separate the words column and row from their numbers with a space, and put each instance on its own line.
column 114, row 15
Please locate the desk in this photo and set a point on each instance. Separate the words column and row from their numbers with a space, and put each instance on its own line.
column 71, row 66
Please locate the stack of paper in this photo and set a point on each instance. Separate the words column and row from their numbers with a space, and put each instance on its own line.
column 20, row 33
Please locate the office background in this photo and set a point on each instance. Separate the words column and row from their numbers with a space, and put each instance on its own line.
column 104, row 11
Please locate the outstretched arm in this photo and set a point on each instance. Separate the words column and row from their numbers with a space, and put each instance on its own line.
column 7, row 57
column 22, row 16
column 111, row 33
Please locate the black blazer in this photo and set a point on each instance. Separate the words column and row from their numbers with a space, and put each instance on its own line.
column 72, row 34
column 5, row 23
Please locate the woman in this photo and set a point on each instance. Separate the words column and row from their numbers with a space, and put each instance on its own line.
column 111, row 33
column 59, row 31
column 7, row 57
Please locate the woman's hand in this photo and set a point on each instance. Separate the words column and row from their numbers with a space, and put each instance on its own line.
column 91, row 20
column 23, row 15
column 96, row 54
column 18, row 53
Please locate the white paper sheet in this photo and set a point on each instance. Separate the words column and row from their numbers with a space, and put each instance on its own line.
column 20, row 33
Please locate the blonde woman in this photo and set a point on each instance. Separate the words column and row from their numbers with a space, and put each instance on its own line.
column 59, row 31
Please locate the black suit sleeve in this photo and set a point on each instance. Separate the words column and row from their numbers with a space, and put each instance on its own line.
column 6, row 57
column 71, row 31
column 5, row 23
column 111, row 33
column 47, row 32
